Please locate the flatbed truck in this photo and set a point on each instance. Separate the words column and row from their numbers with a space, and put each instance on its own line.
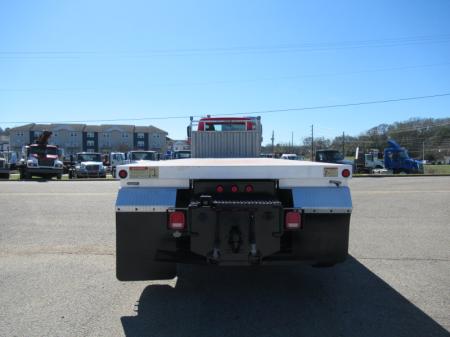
column 220, row 211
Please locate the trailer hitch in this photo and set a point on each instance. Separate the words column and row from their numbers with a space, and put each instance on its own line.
column 235, row 239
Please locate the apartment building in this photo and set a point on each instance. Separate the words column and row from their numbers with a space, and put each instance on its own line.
column 73, row 138
column 66, row 136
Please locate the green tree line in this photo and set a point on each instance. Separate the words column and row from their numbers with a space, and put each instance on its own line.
column 428, row 138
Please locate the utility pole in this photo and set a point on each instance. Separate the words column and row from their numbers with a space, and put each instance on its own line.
column 312, row 142
column 292, row 142
column 423, row 150
column 273, row 146
column 343, row 144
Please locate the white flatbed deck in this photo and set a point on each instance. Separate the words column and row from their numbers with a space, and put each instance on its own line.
column 288, row 172
column 234, row 162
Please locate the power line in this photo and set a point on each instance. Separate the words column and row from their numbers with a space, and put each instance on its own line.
column 348, row 104
column 231, row 81
column 260, row 112
column 303, row 47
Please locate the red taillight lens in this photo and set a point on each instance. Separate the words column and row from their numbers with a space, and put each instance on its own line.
column 293, row 220
column 177, row 220
column 234, row 188
column 219, row 189
column 345, row 173
column 123, row 174
column 249, row 188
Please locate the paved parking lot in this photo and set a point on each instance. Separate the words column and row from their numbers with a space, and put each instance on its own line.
column 57, row 274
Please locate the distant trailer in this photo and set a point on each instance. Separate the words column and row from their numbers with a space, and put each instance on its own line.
column 226, row 137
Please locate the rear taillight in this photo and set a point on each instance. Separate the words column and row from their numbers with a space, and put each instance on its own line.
column 345, row 173
column 234, row 188
column 123, row 174
column 219, row 189
column 249, row 188
column 177, row 220
column 293, row 220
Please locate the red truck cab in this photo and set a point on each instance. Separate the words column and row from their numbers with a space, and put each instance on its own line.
column 227, row 124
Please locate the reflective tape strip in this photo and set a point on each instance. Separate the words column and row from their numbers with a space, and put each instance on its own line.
column 145, row 199
column 323, row 199
column 143, row 208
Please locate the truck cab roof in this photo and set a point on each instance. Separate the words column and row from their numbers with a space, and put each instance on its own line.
column 227, row 124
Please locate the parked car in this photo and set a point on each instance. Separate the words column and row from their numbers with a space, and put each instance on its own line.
column 289, row 156
column 183, row 154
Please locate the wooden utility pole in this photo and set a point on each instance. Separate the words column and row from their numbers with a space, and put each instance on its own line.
column 343, row 144
column 273, row 145
column 312, row 142
column 292, row 142
column 423, row 150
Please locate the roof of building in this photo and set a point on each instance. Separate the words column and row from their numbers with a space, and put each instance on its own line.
column 141, row 129
column 92, row 128
column 116, row 127
column 41, row 127
column 25, row 127
column 68, row 127
column 88, row 128
column 155, row 129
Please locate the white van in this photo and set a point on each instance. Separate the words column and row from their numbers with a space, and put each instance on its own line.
column 289, row 156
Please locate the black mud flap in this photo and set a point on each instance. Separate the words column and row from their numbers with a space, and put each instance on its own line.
column 138, row 237
column 323, row 238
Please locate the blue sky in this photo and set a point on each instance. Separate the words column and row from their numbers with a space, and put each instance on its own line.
column 94, row 60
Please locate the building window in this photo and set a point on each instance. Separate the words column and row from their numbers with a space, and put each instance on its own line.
column 90, row 135
column 141, row 143
column 140, row 135
column 55, row 135
column 19, row 134
column 106, row 135
column 124, row 135
column 90, row 150
column 73, row 134
column 90, row 143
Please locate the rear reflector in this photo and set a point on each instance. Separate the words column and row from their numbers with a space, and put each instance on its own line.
column 177, row 220
column 249, row 188
column 123, row 174
column 293, row 220
column 219, row 189
column 345, row 173
column 234, row 189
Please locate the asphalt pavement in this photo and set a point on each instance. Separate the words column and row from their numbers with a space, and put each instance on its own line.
column 57, row 273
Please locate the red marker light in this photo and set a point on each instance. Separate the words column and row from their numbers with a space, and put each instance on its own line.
column 234, row 188
column 249, row 188
column 177, row 220
column 345, row 173
column 219, row 189
column 123, row 174
column 292, row 220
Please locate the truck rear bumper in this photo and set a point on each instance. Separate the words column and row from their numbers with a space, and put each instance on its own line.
column 91, row 174
column 38, row 171
column 143, row 240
